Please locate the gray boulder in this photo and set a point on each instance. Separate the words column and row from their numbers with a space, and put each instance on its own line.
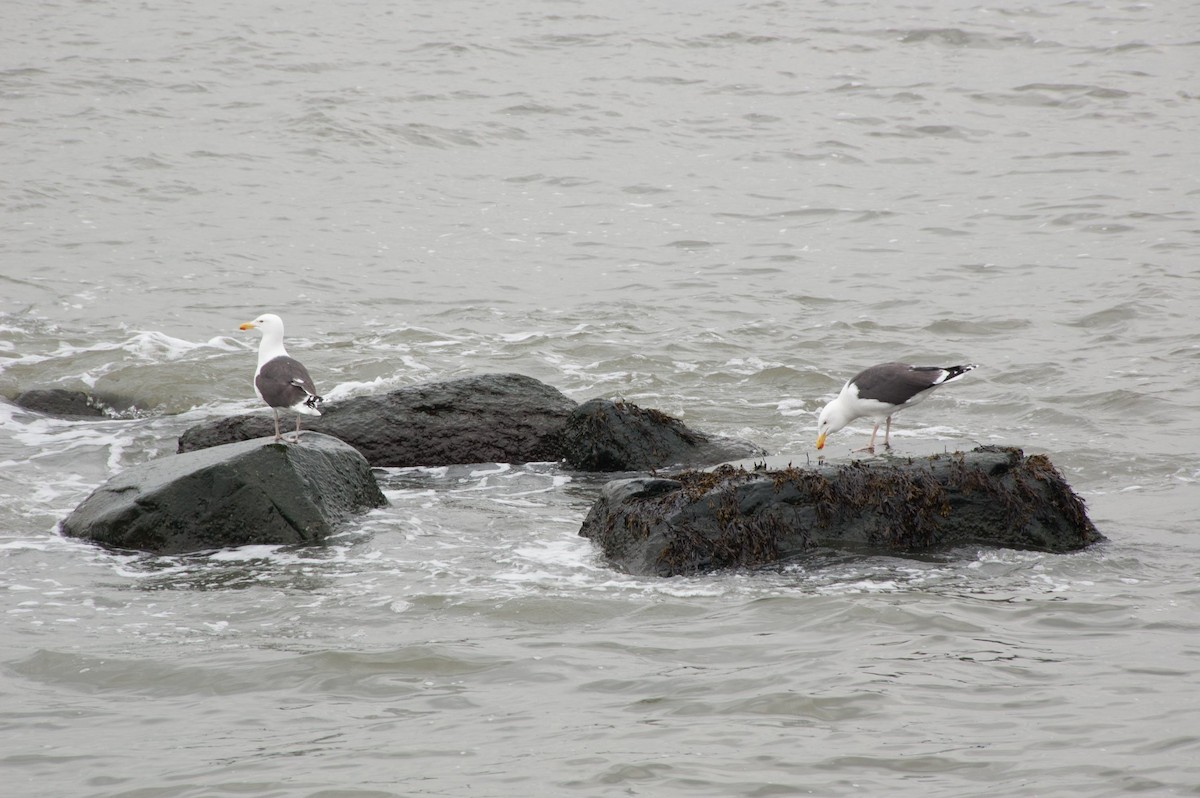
column 601, row 435
column 731, row 517
column 493, row 418
column 253, row 492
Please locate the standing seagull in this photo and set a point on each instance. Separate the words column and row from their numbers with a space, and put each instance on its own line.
column 280, row 380
column 878, row 392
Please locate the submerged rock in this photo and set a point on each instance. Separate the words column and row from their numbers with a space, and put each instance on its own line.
column 493, row 418
column 602, row 435
column 730, row 517
column 253, row 492
column 59, row 402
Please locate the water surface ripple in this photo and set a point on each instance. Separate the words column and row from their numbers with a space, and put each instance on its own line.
column 717, row 210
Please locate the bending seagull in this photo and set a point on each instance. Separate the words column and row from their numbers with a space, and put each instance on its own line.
column 281, row 381
column 878, row 392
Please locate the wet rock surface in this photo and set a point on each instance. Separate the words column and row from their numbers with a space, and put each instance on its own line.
column 731, row 517
column 602, row 435
column 493, row 418
column 59, row 402
column 253, row 492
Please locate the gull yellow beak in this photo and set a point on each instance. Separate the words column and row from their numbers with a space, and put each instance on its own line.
column 247, row 326
column 821, row 441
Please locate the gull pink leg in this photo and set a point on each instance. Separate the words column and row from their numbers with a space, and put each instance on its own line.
column 870, row 447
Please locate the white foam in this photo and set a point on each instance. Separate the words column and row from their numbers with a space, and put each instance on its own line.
column 156, row 346
column 45, row 436
column 749, row 366
column 245, row 553
column 518, row 337
column 345, row 390
column 498, row 468
column 794, row 407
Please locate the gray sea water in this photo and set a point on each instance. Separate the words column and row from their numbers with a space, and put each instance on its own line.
column 717, row 209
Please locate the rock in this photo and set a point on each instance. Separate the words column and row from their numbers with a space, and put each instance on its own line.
column 601, row 435
column 59, row 402
column 507, row 418
column 493, row 418
column 731, row 517
column 253, row 492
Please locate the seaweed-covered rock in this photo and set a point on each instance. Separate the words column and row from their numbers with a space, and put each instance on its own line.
column 253, row 492
column 701, row 521
column 602, row 435
column 484, row 419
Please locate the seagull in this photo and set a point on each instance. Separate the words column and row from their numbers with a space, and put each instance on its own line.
column 878, row 392
column 281, row 381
